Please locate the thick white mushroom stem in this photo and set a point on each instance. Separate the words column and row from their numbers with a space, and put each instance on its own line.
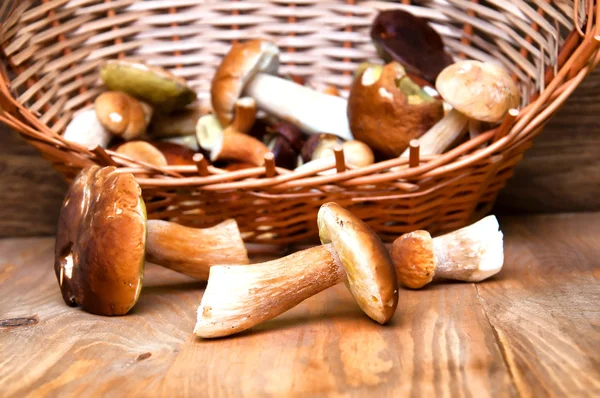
column 439, row 137
column 240, row 297
column 192, row 251
column 470, row 254
column 312, row 111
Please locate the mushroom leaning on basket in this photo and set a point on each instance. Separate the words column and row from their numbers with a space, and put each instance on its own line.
column 248, row 69
column 470, row 254
column 238, row 297
column 476, row 90
column 103, row 238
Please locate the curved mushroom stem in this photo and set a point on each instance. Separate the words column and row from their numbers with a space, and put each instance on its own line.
column 470, row 254
column 312, row 111
column 192, row 251
column 438, row 138
column 239, row 297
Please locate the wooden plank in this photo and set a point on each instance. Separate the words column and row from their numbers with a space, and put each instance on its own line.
column 531, row 331
column 544, row 307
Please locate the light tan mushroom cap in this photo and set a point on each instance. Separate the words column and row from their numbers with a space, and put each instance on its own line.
column 243, row 61
column 370, row 272
column 144, row 152
column 480, row 90
column 414, row 259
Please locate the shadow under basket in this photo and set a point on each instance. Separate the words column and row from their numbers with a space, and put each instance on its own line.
column 52, row 50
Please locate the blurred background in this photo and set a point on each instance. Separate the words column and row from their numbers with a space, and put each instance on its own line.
column 560, row 173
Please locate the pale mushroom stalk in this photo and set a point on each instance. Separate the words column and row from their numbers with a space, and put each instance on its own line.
column 313, row 111
column 237, row 299
column 198, row 250
column 470, row 254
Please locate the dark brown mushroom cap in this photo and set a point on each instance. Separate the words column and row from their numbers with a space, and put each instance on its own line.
column 414, row 259
column 100, row 242
column 371, row 277
column 410, row 40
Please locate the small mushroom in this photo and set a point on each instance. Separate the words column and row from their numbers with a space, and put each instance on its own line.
column 175, row 154
column 232, row 143
column 285, row 141
column 356, row 154
column 144, row 152
column 470, row 254
column 248, row 69
column 387, row 110
column 151, row 84
column 238, row 298
column 122, row 115
column 103, row 238
column 177, row 124
column 476, row 90
column 400, row 36
column 85, row 129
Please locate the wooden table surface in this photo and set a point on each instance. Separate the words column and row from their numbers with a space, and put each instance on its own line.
column 533, row 330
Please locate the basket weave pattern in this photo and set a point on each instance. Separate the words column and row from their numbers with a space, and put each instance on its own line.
column 52, row 49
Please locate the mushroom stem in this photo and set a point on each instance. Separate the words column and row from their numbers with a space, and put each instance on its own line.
column 240, row 297
column 192, row 251
column 312, row 111
column 438, row 138
column 470, row 254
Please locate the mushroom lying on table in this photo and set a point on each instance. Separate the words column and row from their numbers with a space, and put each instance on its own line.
column 103, row 238
column 248, row 68
column 476, row 90
column 238, row 297
column 470, row 254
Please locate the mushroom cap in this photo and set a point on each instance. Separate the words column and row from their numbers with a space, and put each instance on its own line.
column 144, row 152
column 152, row 84
column 370, row 273
column 480, row 90
column 386, row 110
column 100, row 242
column 175, row 154
column 414, row 259
column 357, row 153
column 317, row 145
column 241, row 63
column 121, row 114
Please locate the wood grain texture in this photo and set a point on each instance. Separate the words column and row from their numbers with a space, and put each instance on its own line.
column 530, row 331
column 561, row 172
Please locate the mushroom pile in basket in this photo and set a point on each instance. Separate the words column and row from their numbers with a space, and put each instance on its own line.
column 419, row 98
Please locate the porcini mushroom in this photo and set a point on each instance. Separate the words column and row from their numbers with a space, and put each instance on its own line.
column 470, row 254
column 285, row 141
column 154, row 85
column 386, row 109
column 238, row 298
column 248, row 68
column 122, row 115
column 400, row 36
column 478, row 90
column 85, row 129
column 103, row 237
column 356, row 154
column 232, row 142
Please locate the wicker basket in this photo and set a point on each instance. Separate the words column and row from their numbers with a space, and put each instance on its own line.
column 52, row 49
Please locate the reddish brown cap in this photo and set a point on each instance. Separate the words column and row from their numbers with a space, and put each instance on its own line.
column 369, row 268
column 243, row 61
column 414, row 259
column 100, row 242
